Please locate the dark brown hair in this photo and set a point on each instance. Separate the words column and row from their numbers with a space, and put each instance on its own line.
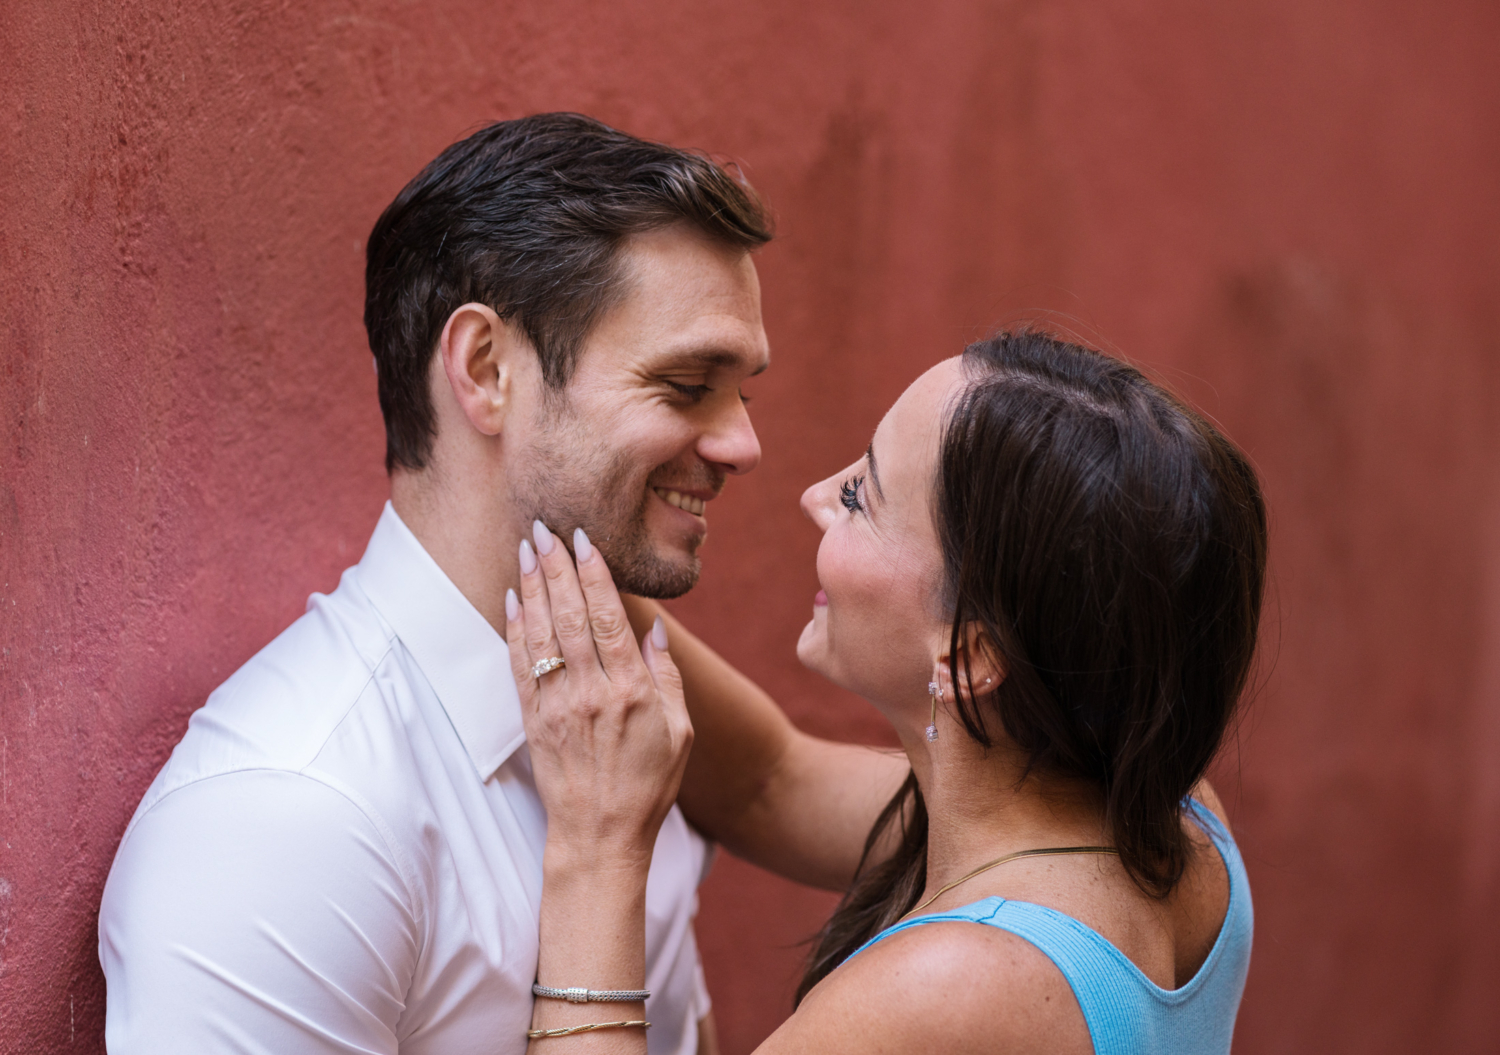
column 1109, row 544
column 528, row 217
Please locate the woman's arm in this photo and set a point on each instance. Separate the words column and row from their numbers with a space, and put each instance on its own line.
column 608, row 735
column 789, row 802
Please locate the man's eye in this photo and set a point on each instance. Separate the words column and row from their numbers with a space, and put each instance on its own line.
column 693, row 392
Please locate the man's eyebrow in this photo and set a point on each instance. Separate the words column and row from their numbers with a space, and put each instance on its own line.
column 706, row 359
column 874, row 472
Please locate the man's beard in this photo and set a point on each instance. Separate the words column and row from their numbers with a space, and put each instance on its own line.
column 604, row 494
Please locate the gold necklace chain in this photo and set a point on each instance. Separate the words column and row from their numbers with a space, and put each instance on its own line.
column 1051, row 851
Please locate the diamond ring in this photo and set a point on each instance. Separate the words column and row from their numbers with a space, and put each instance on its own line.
column 543, row 666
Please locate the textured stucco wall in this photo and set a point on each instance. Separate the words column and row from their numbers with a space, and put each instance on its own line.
column 1285, row 208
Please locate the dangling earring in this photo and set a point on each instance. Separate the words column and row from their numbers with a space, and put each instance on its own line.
column 936, row 692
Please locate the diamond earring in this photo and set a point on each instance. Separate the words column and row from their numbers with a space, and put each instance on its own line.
column 935, row 691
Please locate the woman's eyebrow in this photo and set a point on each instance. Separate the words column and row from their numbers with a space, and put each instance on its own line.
column 874, row 472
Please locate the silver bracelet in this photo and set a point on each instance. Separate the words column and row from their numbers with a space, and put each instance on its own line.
column 590, row 996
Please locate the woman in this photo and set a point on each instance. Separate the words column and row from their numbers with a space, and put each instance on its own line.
column 1046, row 573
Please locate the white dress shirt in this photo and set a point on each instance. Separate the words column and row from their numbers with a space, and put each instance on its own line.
column 344, row 853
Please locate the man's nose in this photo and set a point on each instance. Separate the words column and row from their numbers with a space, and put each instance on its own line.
column 730, row 442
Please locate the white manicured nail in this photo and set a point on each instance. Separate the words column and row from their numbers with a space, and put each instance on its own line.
column 583, row 549
column 543, row 537
column 528, row 558
column 512, row 606
column 659, row 635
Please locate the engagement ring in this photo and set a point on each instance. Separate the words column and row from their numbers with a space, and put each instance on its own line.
column 542, row 666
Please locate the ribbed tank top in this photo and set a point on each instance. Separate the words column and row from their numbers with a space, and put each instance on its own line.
column 1127, row 1013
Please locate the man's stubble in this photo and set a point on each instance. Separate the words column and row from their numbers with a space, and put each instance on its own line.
column 571, row 482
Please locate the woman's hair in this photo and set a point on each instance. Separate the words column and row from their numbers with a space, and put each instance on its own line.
column 1108, row 546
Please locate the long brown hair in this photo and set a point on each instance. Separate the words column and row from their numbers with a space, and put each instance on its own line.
column 1110, row 545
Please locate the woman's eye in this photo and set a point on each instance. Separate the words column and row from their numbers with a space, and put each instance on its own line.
column 849, row 494
column 692, row 392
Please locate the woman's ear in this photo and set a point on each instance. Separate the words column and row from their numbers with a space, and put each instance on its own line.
column 478, row 350
column 979, row 665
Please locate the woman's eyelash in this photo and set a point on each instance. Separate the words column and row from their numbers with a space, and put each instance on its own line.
column 849, row 494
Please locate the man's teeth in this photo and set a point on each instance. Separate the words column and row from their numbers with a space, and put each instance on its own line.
column 681, row 501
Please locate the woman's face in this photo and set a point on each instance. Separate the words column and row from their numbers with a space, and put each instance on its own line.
column 876, row 627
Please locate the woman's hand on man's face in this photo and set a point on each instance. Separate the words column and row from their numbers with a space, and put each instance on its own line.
column 608, row 731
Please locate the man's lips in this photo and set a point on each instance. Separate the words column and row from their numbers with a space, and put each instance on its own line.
column 820, row 600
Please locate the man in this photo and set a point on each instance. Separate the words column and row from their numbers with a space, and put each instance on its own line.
column 344, row 852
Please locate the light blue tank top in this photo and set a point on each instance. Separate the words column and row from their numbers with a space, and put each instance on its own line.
column 1128, row 1014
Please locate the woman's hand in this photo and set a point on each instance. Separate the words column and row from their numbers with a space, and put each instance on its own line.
column 609, row 738
column 608, row 731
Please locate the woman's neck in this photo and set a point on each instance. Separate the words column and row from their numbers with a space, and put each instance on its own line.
column 981, row 804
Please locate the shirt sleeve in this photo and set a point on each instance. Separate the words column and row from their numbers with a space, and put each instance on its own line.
column 258, row 912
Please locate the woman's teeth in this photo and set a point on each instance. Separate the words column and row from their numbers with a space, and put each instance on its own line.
column 681, row 501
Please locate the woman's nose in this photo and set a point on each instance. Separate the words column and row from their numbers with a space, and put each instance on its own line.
column 818, row 503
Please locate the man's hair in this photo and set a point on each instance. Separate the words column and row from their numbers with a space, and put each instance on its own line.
column 528, row 217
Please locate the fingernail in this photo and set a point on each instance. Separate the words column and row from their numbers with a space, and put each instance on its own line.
column 659, row 635
column 512, row 606
column 583, row 549
column 528, row 558
column 543, row 537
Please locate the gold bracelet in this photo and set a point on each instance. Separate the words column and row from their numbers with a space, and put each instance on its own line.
column 537, row 1034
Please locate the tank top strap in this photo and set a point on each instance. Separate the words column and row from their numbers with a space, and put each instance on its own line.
column 978, row 912
column 1223, row 841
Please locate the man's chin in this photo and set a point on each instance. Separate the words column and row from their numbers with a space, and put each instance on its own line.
column 653, row 577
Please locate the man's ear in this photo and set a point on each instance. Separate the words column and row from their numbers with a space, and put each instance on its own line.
column 479, row 352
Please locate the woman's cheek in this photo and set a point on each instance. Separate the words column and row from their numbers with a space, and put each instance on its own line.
column 852, row 625
column 816, row 647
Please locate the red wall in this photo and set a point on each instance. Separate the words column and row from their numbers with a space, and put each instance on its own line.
column 1287, row 209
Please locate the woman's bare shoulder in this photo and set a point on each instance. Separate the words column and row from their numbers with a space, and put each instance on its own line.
column 952, row 987
column 1203, row 791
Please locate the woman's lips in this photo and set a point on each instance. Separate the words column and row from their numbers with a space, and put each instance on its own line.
column 821, row 600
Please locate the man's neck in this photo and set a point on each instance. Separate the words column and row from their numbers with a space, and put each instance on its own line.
column 468, row 531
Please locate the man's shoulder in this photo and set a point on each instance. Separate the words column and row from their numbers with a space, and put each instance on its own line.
column 279, row 710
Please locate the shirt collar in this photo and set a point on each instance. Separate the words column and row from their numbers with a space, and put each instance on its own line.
column 465, row 661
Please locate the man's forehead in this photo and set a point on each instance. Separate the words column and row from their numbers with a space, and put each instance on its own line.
column 680, row 270
column 683, row 303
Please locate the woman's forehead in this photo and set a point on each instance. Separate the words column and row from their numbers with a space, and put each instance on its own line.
column 906, row 442
column 922, row 407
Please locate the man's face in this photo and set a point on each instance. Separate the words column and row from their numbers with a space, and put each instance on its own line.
column 652, row 420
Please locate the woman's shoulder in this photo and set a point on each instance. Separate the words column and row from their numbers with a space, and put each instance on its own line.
column 944, row 986
column 1204, row 794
